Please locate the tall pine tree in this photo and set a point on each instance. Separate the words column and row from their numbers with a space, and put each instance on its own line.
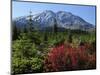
column 30, row 23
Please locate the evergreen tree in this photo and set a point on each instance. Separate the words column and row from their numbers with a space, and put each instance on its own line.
column 25, row 29
column 30, row 23
column 69, row 35
column 55, row 26
column 15, row 31
column 45, row 36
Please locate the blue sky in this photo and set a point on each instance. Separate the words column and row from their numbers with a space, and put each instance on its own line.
column 23, row 8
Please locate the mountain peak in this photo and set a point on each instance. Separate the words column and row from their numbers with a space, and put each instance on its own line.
column 64, row 12
column 48, row 11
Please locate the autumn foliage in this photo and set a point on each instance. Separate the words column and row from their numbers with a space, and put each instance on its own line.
column 66, row 57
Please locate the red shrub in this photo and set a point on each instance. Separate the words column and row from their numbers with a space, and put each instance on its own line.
column 66, row 57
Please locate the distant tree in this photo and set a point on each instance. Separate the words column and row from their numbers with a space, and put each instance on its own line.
column 25, row 29
column 69, row 34
column 55, row 26
column 45, row 36
column 70, row 38
column 15, row 32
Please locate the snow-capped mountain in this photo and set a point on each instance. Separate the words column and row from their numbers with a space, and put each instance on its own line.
column 48, row 18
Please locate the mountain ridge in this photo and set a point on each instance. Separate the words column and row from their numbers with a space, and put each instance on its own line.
column 48, row 18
